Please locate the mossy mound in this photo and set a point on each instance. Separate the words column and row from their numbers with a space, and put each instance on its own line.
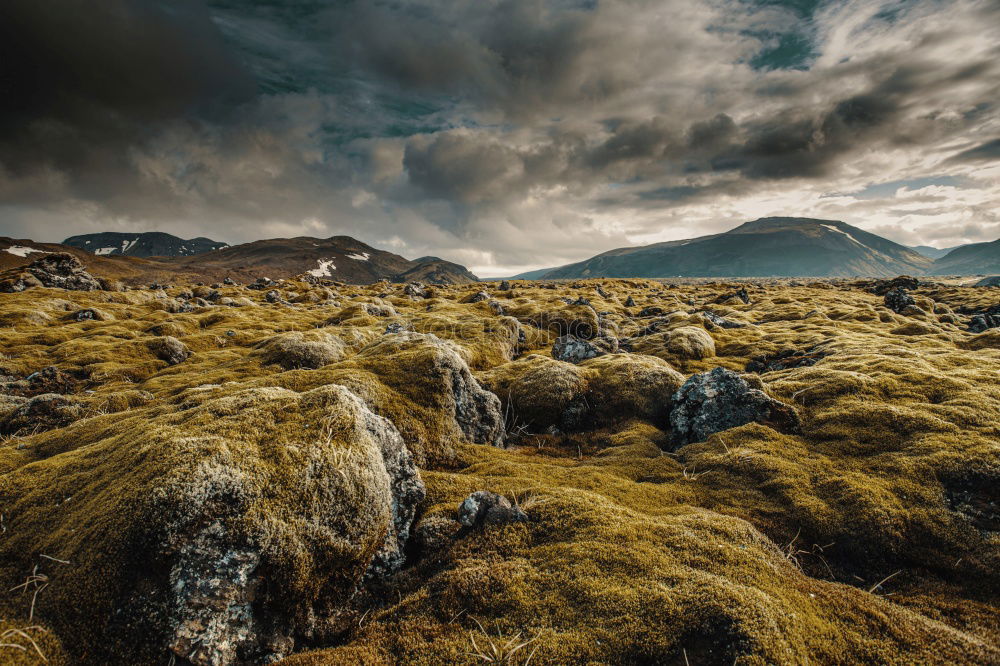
column 221, row 530
column 681, row 344
column 312, row 350
column 540, row 393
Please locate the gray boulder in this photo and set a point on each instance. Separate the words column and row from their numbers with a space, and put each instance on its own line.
column 572, row 349
column 718, row 400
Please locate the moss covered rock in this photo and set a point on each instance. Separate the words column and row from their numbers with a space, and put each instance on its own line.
column 244, row 524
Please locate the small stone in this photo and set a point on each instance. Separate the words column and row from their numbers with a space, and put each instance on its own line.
column 483, row 508
column 169, row 349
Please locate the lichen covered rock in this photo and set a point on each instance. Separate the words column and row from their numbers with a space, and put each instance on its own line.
column 718, row 400
column 572, row 349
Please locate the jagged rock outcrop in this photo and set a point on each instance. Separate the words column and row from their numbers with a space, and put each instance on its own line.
column 898, row 300
column 59, row 270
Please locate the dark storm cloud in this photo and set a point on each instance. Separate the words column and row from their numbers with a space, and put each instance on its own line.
column 988, row 151
column 441, row 126
column 82, row 81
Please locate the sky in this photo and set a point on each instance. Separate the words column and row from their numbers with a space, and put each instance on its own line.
column 506, row 135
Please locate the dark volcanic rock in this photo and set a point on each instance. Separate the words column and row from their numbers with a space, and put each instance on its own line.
column 785, row 359
column 46, row 380
column 722, row 322
column 898, row 300
column 740, row 293
column 483, row 508
column 982, row 321
column 43, row 412
column 711, row 402
column 882, row 287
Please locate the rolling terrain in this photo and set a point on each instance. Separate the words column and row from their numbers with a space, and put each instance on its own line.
column 595, row 471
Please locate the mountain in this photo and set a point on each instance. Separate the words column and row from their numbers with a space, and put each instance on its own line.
column 148, row 244
column 340, row 258
column 536, row 274
column 974, row 259
column 768, row 247
column 934, row 252
column 434, row 270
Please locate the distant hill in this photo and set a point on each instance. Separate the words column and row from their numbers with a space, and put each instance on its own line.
column 768, row 247
column 934, row 252
column 147, row 244
column 974, row 259
column 536, row 274
column 434, row 270
column 340, row 258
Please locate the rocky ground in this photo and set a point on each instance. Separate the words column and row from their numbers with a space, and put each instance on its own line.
column 603, row 471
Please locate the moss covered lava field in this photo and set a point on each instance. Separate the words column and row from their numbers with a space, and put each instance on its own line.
column 234, row 475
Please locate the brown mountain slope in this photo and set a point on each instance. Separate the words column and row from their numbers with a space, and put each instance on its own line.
column 339, row 258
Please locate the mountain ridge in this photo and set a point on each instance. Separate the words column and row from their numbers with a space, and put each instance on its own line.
column 338, row 258
column 766, row 247
column 972, row 259
column 144, row 244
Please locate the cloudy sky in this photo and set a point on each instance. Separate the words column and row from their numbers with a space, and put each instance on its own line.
column 503, row 134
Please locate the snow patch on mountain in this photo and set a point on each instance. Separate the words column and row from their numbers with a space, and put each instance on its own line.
column 23, row 251
column 324, row 270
